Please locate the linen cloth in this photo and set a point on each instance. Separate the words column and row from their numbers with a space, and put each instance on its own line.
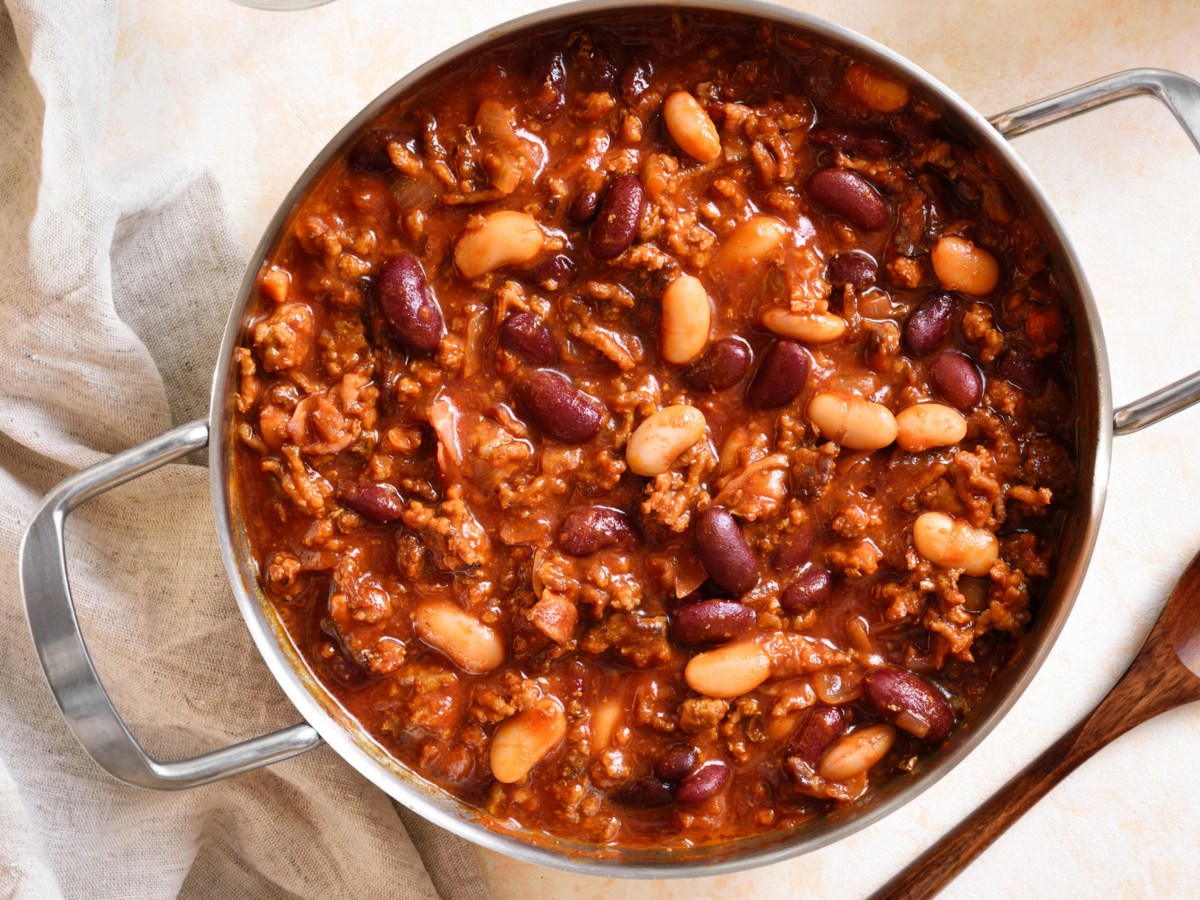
column 114, row 287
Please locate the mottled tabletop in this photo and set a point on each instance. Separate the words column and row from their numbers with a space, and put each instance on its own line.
column 1125, row 182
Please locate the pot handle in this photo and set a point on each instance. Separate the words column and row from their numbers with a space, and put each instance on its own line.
column 1179, row 94
column 64, row 656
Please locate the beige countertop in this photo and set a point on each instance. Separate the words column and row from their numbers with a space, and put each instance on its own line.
column 255, row 95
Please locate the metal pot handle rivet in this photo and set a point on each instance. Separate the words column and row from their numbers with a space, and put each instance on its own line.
column 1179, row 94
column 64, row 656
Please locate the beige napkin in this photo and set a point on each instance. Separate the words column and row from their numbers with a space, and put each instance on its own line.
column 115, row 281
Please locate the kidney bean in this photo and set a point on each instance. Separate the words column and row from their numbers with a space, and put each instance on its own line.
column 548, row 75
column 711, row 622
column 850, row 196
column 589, row 529
column 724, row 551
column 722, row 366
column 378, row 503
column 408, row 304
column 910, row 701
column 647, row 792
column 676, row 761
column 855, row 140
column 636, row 79
column 1024, row 372
column 821, row 726
column 370, row 154
column 855, row 268
column 929, row 324
column 617, row 222
column 811, row 587
column 523, row 333
column 956, row 378
column 584, row 206
column 794, row 550
column 554, row 273
column 561, row 410
column 704, row 783
column 602, row 71
column 781, row 376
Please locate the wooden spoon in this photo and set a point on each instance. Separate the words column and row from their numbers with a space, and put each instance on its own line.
column 1165, row 674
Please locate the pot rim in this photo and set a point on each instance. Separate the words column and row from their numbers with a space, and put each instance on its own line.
column 346, row 737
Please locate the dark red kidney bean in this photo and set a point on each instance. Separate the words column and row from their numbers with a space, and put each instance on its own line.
column 645, row 793
column 910, row 701
column 855, row 140
column 554, row 273
column 850, row 196
column 617, row 221
column 1023, row 372
column 584, row 206
column 602, row 71
column 821, row 726
column 781, row 376
column 676, row 761
column 378, row 503
column 560, row 410
column 711, row 622
column 523, row 333
column 408, row 304
column 548, row 75
column 370, row 154
column 724, row 551
column 856, row 268
column 703, row 784
column 793, row 552
column 589, row 529
column 956, row 378
column 810, row 588
column 722, row 366
column 928, row 324
column 636, row 79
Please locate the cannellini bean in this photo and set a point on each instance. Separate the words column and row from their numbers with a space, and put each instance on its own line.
column 690, row 127
column 751, row 244
column 659, row 440
column 470, row 645
column 524, row 740
column 603, row 723
column 852, row 422
column 925, row 425
column 505, row 238
column 813, row 328
column 961, row 266
column 686, row 318
column 880, row 92
column 952, row 544
column 855, row 753
column 728, row 671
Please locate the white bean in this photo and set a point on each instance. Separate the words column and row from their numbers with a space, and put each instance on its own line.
column 506, row 238
column 852, row 422
column 525, row 739
column 659, row 440
column 953, row 544
column 686, row 319
column 925, row 425
column 691, row 127
column 728, row 671
column 471, row 645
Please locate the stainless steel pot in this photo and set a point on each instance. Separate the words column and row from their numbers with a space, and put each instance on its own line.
column 102, row 733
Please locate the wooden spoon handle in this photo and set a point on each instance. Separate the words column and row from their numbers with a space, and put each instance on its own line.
column 1128, row 704
column 958, row 848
